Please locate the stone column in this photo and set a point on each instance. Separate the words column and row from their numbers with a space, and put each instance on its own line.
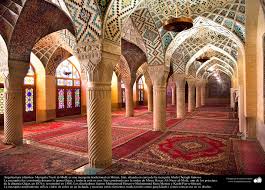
column 173, row 91
column 232, row 98
column 203, row 93
column 180, row 85
column 198, row 94
column 13, row 108
column 99, row 124
column 150, row 98
column 159, row 76
column 98, row 62
column 129, row 100
column 159, row 107
column 191, row 95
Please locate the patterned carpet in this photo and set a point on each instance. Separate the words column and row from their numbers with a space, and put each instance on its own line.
column 197, row 154
column 212, row 115
column 77, row 141
column 51, row 132
column 4, row 147
column 135, row 144
column 250, row 157
column 204, row 143
column 29, row 160
column 225, row 127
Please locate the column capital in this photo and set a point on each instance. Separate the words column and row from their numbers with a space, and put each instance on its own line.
column 198, row 83
column 191, row 82
column 17, row 71
column 180, row 81
column 97, row 59
column 177, row 76
column 158, row 74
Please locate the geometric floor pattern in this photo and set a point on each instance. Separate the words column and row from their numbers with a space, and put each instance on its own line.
column 205, row 142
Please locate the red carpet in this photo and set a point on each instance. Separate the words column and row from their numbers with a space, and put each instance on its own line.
column 132, row 167
column 135, row 144
column 77, row 141
column 196, row 153
column 42, row 127
column 207, row 126
column 4, row 147
column 215, row 109
column 68, row 128
column 250, row 157
column 29, row 160
column 211, row 115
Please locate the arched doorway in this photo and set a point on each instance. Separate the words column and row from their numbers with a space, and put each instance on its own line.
column 68, row 91
column 140, row 91
column 29, row 96
column 123, row 96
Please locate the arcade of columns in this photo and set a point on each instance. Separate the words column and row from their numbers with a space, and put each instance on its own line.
column 98, row 58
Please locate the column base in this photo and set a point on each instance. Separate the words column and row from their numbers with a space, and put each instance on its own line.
column 100, row 164
column 13, row 142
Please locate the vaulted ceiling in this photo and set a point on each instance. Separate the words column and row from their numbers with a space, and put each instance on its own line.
column 219, row 28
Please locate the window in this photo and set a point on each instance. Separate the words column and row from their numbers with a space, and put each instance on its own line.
column 123, row 96
column 29, row 96
column 68, row 89
column 140, row 91
column 67, row 75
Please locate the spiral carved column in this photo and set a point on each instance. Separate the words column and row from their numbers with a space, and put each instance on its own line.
column 129, row 100
column 198, row 95
column 99, row 125
column 191, row 96
column 13, row 117
column 150, row 98
column 181, row 111
column 159, row 108
column 13, row 108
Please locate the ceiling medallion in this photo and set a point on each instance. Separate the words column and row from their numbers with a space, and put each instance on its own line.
column 179, row 24
column 203, row 59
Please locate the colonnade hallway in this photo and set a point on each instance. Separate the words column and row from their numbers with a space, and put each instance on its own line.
column 205, row 142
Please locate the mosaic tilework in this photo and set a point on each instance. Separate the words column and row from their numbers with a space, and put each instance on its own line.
column 222, row 58
column 116, row 16
column 132, row 35
column 152, row 39
column 10, row 11
column 134, row 56
column 229, row 39
column 126, row 73
column 198, row 41
column 228, row 13
column 87, row 18
column 213, row 65
column 142, row 71
column 103, row 5
column 48, row 47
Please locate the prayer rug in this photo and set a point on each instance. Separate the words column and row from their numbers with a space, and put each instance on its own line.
column 78, row 141
column 30, row 160
column 198, row 153
column 225, row 127
column 250, row 157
